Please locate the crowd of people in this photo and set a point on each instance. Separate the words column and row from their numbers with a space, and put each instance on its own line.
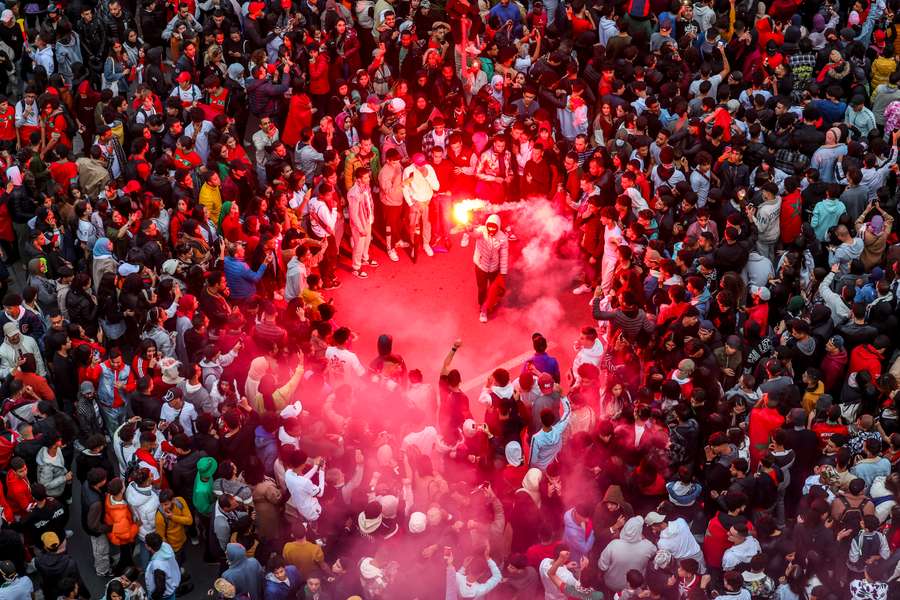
column 183, row 184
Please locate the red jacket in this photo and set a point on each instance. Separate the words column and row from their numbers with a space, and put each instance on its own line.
column 763, row 421
column 715, row 542
column 833, row 368
column 18, row 493
column 318, row 76
column 866, row 358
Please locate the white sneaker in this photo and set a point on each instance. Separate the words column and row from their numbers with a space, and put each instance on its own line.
column 372, row 263
column 483, row 317
column 361, row 274
column 402, row 244
column 465, row 240
column 582, row 289
column 427, row 250
column 392, row 254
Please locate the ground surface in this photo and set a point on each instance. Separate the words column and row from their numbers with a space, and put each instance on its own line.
column 425, row 306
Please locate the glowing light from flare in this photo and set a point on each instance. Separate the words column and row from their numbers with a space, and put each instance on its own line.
column 462, row 210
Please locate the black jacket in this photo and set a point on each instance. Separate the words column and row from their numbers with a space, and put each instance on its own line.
column 82, row 309
column 184, row 471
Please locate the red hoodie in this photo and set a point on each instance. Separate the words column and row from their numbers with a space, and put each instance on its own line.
column 763, row 421
column 866, row 358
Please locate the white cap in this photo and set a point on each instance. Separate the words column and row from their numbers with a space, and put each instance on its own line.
column 763, row 292
column 7, row 15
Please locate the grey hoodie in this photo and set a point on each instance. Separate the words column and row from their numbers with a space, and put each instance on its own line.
column 630, row 551
column 52, row 472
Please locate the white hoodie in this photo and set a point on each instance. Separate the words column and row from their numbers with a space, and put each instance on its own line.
column 590, row 355
column 505, row 392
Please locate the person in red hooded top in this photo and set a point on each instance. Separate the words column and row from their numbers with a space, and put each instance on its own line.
column 869, row 357
column 715, row 540
column 18, row 488
column 764, row 420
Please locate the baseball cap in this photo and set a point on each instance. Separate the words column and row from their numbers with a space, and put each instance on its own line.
column 653, row 518
column 546, row 383
column 183, row 77
column 50, row 540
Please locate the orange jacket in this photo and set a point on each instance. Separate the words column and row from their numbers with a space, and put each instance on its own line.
column 118, row 516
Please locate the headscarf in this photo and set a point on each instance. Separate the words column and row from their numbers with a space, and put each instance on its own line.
column 236, row 73
column 513, row 452
column 224, row 212
column 531, row 484
column 678, row 539
column 101, row 248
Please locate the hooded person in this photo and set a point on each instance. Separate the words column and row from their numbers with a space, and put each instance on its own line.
column 163, row 572
column 47, row 298
column 246, row 574
column 526, row 511
column 608, row 511
column 86, row 412
column 104, row 261
column 500, row 386
column 203, row 496
column 54, row 564
column 629, row 551
column 491, row 258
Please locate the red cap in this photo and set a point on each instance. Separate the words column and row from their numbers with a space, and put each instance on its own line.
column 419, row 159
column 132, row 186
column 546, row 383
column 256, row 8
column 184, row 77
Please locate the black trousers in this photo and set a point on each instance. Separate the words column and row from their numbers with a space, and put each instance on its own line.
column 484, row 280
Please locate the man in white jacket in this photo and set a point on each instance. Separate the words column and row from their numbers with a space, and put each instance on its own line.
column 15, row 345
column 420, row 182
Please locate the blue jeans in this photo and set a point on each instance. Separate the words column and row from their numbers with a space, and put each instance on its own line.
column 112, row 417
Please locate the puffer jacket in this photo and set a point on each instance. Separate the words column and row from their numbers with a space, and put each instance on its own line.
column 172, row 529
column 52, row 472
column 143, row 502
column 118, row 516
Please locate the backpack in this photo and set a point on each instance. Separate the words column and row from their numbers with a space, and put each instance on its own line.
column 133, row 466
column 869, row 545
column 853, row 515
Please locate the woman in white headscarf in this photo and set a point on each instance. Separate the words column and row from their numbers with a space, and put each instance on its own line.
column 526, row 511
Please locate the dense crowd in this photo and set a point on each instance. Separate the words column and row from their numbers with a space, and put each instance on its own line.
column 184, row 183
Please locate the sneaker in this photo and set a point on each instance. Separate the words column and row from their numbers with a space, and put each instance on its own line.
column 465, row 240
column 483, row 317
column 582, row 289
column 402, row 244
column 392, row 254
column 361, row 274
column 510, row 235
column 333, row 285
column 195, row 541
column 372, row 263
column 427, row 250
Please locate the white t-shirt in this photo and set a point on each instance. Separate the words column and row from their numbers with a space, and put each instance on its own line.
column 346, row 360
column 186, row 418
column 551, row 592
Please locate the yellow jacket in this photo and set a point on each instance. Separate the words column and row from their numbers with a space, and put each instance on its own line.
column 211, row 198
column 881, row 71
column 172, row 529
